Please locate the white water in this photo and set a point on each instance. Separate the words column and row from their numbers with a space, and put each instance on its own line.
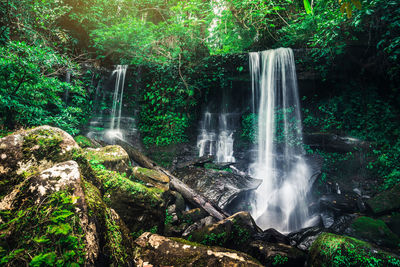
column 120, row 71
column 216, row 136
column 281, row 200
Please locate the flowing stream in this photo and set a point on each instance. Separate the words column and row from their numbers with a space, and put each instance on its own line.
column 281, row 200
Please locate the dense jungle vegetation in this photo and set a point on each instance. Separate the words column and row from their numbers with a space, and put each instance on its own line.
column 180, row 48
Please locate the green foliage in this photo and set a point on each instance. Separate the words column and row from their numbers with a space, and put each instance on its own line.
column 362, row 114
column 165, row 107
column 47, row 234
column 279, row 260
column 31, row 93
column 249, row 127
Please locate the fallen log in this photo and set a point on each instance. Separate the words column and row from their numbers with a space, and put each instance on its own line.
column 188, row 193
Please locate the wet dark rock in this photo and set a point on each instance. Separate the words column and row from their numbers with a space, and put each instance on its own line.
column 219, row 187
column 304, row 238
column 198, row 162
column 333, row 143
column 276, row 254
column 386, row 201
column 393, row 222
column 340, row 203
column 342, row 223
column 271, row 236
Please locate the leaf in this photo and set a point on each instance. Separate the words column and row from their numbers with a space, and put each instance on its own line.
column 307, row 6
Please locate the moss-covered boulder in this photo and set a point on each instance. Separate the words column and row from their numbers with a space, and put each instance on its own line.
column 58, row 218
column 386, row 202
column 153, row 177
column 141, row 208
column 48, row 211
column 373, row 230
column 335, row 250
column 234, row 232
column 85, row 142
column 112, row 157
column 26, row 153
column 156, row 250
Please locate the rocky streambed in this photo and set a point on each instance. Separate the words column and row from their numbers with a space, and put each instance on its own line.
column 74, row 203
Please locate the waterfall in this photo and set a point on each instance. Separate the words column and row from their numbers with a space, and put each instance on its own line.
column 118, row 95
column 281, row 200
column 216, row 136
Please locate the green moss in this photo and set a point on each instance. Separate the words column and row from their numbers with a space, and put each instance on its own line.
column 42, row 144
column 114, row 240
column 44, row 234
column 375, row 231
column 334, row 250
column 83, row 141
column 386, row 201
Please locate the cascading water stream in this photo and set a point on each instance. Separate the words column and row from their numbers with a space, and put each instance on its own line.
column 118, row 95
column 115, row 123
column 221, row 145
column 281, row 200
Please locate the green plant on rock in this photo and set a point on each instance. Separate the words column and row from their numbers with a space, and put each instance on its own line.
column 279, row 260
column 59, row 240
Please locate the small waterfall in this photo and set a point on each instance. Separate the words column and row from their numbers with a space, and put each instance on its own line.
column 120, row 71
column 216, row 136
column 281, row 200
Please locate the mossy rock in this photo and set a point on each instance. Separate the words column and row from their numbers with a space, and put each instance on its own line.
column 157, row 250
column 386, row 202
column 153, row 177
column 140, row 207
column 47, row 211
column 335, row 250
column 112, row 157
column 85, row 142
column 27, row 153
column 375, row 231
column 117, row 244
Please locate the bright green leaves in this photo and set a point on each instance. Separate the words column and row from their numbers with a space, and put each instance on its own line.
column 31, row 92
column 307, row 7
column 48, row 234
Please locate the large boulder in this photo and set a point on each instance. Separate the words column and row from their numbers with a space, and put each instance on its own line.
column 53, row 200
column 140, row 207
column 220, row 187
column 26, row 153
column 335, row 250
column 156, row 250
column 386, row 201
column 113, row 158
